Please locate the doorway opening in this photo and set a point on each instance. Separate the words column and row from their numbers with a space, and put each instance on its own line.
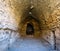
column 29, row 29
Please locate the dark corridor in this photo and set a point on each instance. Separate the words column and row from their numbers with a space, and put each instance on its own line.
column 30, row 29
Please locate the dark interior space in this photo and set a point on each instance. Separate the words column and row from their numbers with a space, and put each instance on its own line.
column 29, row 29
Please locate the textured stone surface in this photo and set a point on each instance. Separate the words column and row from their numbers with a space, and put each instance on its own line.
column 46, row 16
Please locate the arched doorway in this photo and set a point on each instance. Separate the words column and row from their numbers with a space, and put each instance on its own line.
column 29, row 29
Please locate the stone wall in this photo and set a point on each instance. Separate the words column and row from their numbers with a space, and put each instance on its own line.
column 11, row 12
column 47, row 12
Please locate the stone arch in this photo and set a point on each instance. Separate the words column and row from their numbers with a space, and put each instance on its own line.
column 35, row 25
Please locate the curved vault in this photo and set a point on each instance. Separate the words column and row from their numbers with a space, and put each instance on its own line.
column 15, row 15
column 45, row 12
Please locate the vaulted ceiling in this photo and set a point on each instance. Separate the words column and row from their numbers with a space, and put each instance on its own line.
column 46, row 12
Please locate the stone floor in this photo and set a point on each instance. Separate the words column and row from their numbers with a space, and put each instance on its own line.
column 28, row 44
column 12, row 42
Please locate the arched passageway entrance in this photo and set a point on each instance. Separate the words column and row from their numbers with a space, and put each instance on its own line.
column 29, row 29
